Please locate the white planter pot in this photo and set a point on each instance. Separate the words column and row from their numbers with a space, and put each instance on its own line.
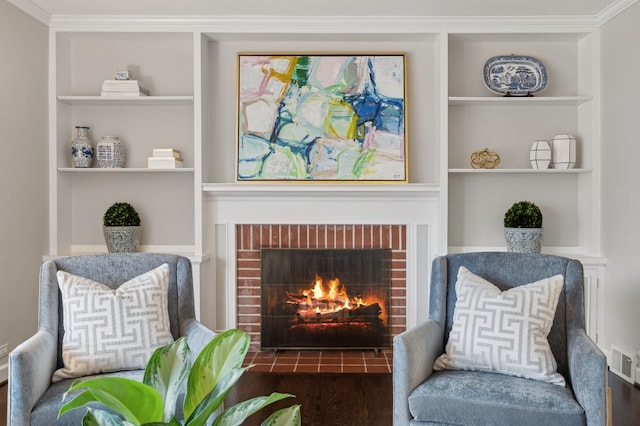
column 563, row 152
column 523, row 240
column 122, row 239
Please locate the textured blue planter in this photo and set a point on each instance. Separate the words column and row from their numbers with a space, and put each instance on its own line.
column 122, row 239
column 523, row 240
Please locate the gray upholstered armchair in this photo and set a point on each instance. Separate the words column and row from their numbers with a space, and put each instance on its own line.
column 33, row 398
column 422, row 396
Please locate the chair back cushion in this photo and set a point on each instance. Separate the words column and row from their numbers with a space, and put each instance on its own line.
column 507, row 270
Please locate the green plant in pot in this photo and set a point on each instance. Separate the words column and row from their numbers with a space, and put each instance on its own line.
column 169, row 375
column 523, row 228
column 121, row 228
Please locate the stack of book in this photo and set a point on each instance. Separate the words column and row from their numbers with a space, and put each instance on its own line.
column 123, row 88
column 165, row 158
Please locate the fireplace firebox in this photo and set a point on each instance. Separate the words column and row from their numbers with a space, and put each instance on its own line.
column 325, row 298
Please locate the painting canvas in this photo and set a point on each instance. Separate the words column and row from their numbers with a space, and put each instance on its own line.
column 321, row 117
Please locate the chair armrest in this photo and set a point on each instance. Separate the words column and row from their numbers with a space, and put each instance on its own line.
column 414, row 352
column 197, row 336
column 588, row 371
column 31, row 366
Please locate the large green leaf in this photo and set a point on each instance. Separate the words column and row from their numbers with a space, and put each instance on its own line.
column 289, row 416
column 135, row 401
column 214, row 399
column 97, row 417
column 167, row 372
column 238, row 413
column 220, row 356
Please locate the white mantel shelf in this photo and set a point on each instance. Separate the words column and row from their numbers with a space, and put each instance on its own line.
column 342, row 189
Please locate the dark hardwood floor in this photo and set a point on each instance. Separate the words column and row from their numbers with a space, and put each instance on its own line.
column 325, row 393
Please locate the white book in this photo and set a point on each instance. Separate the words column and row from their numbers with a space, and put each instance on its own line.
column 167, row 153
column 163, row 163
column 138, row 93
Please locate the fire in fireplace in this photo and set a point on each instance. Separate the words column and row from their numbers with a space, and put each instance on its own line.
column 325, row 298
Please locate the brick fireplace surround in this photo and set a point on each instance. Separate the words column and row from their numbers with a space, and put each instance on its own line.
column 251, row 238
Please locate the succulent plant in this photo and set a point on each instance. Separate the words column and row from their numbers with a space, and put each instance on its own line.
column 523, row 214
column 121, row 214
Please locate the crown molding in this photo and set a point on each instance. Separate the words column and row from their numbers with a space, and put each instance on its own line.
column 613, row 10
column 321, row 24
column 31, row 9
column 248, row 24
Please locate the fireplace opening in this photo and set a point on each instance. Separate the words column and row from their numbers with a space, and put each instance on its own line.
column 325, row 298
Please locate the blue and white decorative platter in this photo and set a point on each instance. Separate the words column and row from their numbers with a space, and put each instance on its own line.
column 515, row 75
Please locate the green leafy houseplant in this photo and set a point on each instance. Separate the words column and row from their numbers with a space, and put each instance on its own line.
column 154, row 401
column 121, row 228
column 121, row 214
column 523, row 214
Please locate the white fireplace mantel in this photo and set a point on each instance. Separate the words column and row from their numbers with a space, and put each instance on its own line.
column 415, row 205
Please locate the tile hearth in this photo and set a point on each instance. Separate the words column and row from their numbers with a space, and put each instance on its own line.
column 321, row 361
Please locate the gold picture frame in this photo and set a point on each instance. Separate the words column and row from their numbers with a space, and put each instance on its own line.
column 327, row 117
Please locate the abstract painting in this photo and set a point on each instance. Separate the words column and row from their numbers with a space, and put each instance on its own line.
column 321, row 117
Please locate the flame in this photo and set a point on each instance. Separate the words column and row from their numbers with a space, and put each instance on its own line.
column 330, row 297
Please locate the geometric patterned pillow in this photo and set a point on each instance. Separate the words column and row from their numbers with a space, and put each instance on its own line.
column 503, row 332
column 111, row 330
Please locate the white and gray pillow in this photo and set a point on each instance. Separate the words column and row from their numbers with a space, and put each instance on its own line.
column 110, row 330
column 503, row 331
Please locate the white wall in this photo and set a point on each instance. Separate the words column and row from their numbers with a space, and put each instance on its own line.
column 621, row 176
column 23, row 172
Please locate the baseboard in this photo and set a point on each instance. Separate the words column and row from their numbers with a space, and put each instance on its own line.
column 4, row 372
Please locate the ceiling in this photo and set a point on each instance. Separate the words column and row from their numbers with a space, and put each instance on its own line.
column 450, row 8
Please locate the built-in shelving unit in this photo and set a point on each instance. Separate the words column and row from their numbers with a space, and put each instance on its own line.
column 450, row 114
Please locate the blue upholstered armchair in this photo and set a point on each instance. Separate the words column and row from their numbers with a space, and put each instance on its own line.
column 422, row 396
column 33, row 398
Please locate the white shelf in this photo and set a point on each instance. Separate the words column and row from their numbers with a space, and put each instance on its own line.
column 518, row 100
column 127, row 100
column 525, row 171
column 124, row 170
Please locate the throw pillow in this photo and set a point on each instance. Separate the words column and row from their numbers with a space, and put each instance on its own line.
column 110, row 330
column 504, row 332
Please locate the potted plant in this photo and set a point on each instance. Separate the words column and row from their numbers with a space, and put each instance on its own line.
column 168, row 375
column 523, row 228
column 121, row 228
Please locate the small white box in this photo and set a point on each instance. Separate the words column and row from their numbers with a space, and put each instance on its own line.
column 167, row 153
column 163, row 163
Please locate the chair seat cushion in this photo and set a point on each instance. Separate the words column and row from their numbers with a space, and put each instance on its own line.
column 492, row 399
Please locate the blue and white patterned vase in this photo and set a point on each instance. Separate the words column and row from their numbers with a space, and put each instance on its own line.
column 81, row 148
column 110, row 152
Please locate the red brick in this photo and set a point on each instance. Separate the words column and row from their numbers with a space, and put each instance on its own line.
column 255, row 237
column 313, row 236
column 348, row 236
column 294, row 236
column 339, row 236
column 303, row 236
column 358, row 231
column 385, row 236
column 367, row 236
column 265, row 236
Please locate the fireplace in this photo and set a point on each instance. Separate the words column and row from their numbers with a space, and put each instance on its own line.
column 325, row 298
column 252, row 239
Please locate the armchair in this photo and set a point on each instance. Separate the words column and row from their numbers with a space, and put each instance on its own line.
column 32, row 397
column 422, row 396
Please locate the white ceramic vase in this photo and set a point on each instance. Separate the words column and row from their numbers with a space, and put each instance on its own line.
column 540, row 154
column 563, row 154
column 110, row 152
